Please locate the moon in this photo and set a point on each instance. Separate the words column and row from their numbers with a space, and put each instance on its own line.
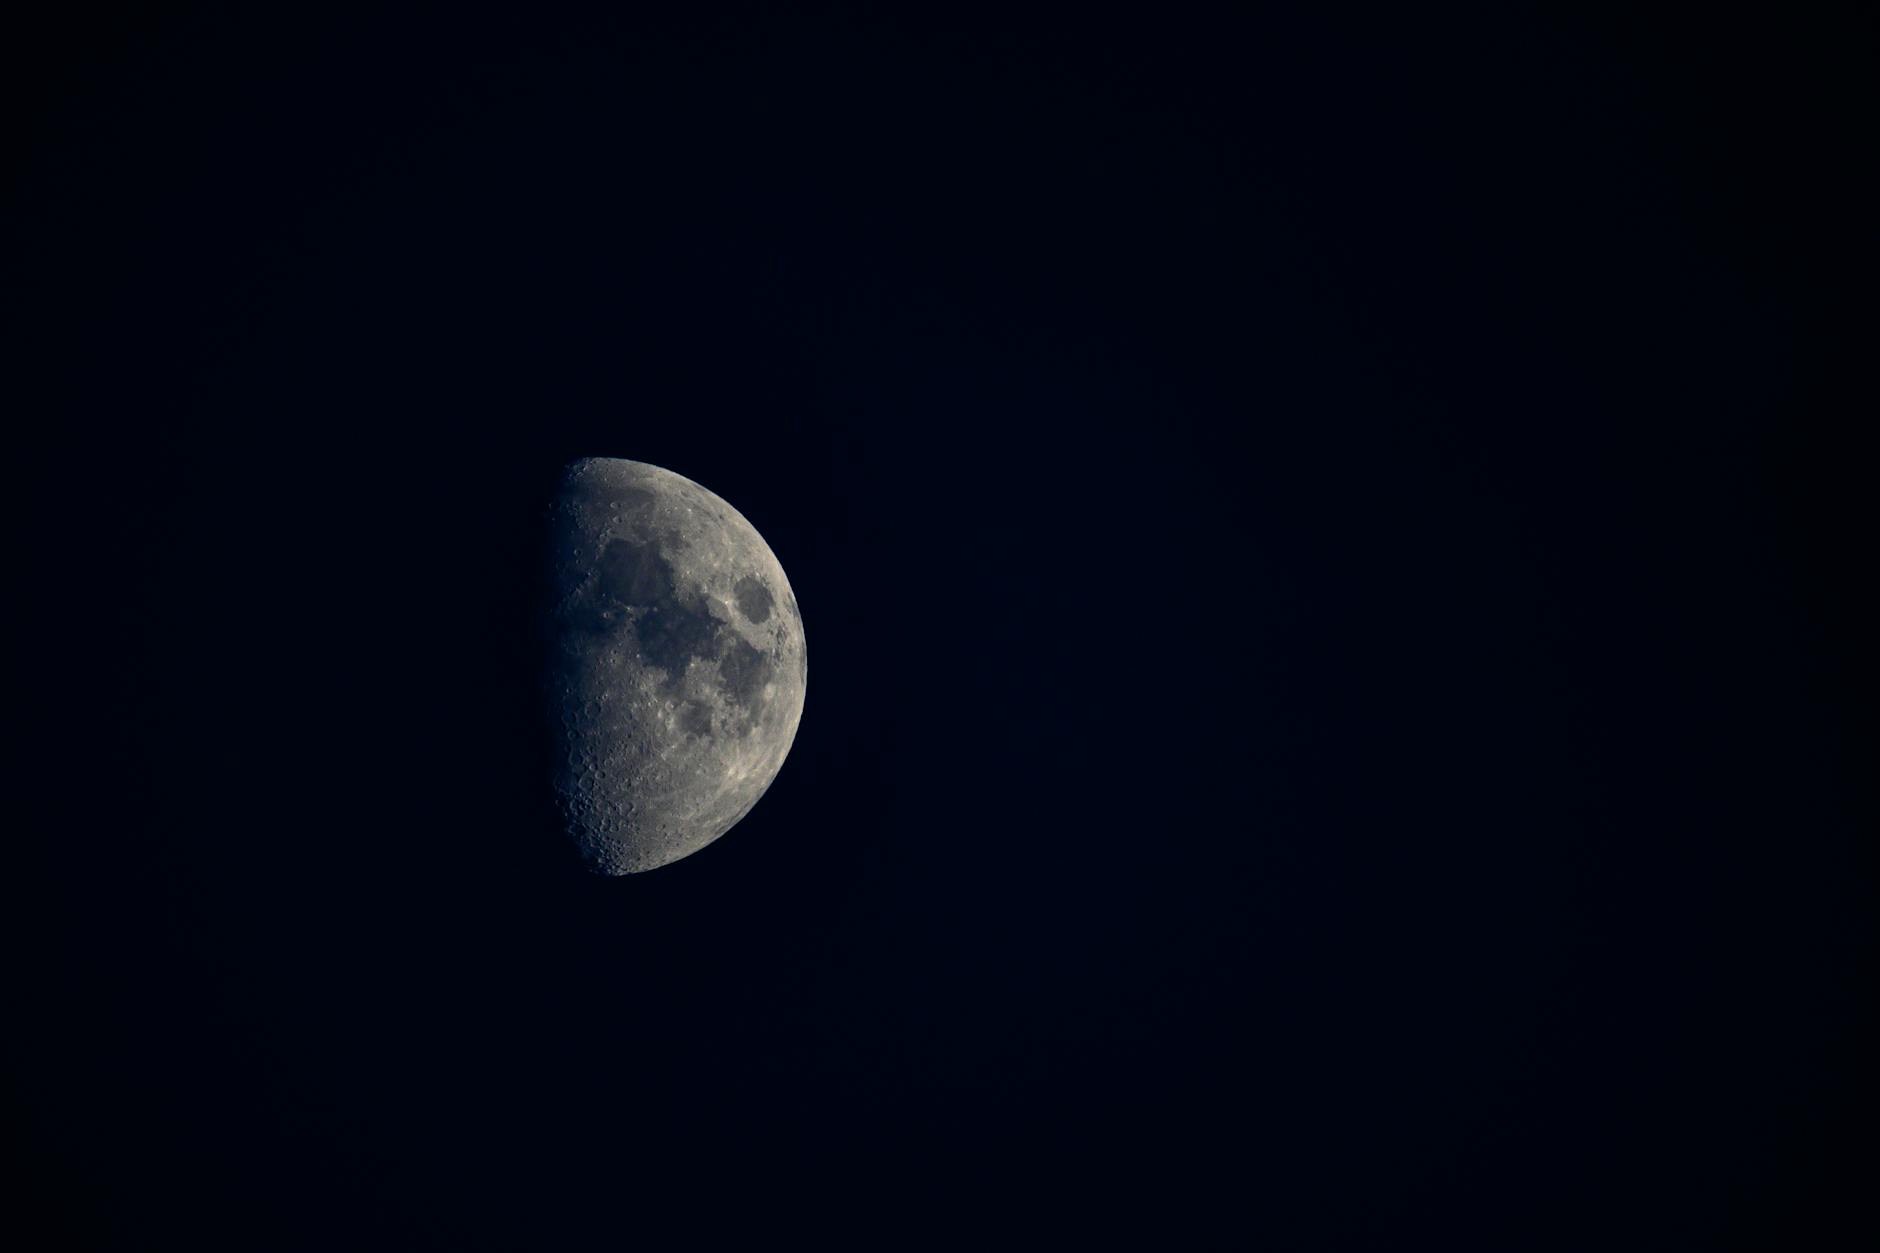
column 676, row 663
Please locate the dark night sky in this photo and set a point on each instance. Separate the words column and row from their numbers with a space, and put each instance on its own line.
column 1327, row 551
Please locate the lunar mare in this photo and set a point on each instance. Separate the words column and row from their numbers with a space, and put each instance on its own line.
column 677, row 664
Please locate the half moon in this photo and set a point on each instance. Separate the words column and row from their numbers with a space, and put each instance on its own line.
column 676, row 668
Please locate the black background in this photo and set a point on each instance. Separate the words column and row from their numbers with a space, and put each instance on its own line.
column 1327, row 544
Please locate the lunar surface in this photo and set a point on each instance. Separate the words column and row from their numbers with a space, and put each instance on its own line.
column 677, row 665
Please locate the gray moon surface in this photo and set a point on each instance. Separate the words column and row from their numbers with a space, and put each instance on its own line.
column 676, row 668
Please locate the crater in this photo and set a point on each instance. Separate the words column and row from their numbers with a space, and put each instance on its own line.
column 754, row 599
